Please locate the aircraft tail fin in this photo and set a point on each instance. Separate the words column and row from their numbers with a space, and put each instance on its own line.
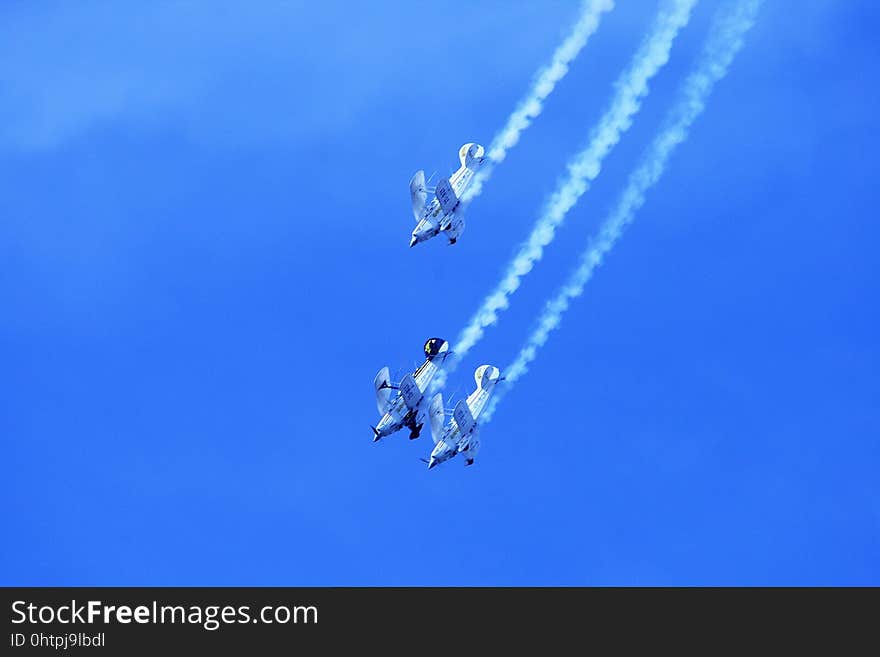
column 436, row 347
column 474, row 154
column 486, row 376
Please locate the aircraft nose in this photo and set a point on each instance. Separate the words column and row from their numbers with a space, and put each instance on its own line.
column 413, row 241
column 431, row 463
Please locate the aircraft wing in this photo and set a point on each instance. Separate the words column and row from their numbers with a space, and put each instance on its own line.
column 446, row 195
column 410, row 392
column 382, row 385
column 463, row 418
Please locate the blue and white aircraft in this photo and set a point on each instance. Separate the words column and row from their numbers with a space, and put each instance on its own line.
column 461, row 435
column 408, row 407
column 445, row 213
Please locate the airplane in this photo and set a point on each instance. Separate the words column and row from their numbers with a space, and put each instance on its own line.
column 445, row 213
column 407, row 408
column 461, row 435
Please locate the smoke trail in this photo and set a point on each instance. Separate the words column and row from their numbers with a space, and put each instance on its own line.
column 724, row 41
column 631, row 89
column 533, row 104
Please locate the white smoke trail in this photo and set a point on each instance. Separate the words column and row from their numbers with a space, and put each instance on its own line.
column 533, row 104
column 631, row 89
column 724, row 41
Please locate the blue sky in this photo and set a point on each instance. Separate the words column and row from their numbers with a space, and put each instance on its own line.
column 205, row 261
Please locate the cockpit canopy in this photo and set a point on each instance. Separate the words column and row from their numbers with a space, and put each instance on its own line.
column 435, row 347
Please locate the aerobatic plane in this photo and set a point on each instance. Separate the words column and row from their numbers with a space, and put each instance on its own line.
column 407, row 408
column 445, row 213
column 461, row 435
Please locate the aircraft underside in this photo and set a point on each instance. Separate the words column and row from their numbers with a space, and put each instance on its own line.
column 414, row 429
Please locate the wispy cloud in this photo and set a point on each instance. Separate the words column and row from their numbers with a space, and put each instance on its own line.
column 724, row 41
column 630, row 90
